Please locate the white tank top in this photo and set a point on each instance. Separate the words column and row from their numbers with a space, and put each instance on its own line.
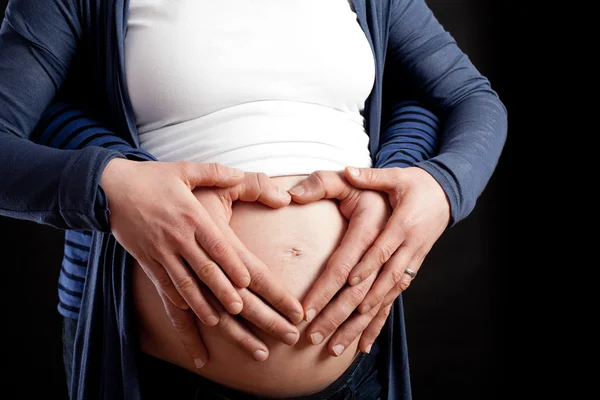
column 273, row 86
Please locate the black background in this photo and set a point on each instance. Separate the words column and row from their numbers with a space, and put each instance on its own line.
column 458, row 309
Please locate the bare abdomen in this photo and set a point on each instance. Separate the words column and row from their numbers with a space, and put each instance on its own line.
column 295, row 242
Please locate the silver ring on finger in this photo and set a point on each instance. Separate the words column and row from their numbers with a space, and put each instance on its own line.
column 410, row 272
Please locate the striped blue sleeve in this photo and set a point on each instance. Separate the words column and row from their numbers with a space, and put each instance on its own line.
column 64, row 126
column 410, row 135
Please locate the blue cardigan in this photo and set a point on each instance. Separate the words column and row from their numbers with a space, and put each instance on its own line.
column 73, row 50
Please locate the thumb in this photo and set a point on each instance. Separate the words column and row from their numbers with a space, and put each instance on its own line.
column 258, row 186
column 209, row 174
column 384, row 179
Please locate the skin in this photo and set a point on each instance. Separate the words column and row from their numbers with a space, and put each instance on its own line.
column 421, row 213
column 367, row 269
column 158, row 220
column 313, row 230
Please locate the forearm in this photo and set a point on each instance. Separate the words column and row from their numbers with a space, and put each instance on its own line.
column 472, row 140
column 474, row 121
column 38, row 42
column 411, row 135
column 54, row 187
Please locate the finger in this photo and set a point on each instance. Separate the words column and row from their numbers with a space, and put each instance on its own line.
column 209, row 174
column 160, row 278
column 349, row 331
column 384, row 179
column 186, row 285
column 211, row 275
column 219, row 249
column 237, row 332
column 260, row 187
column 373, row 330
column 358, row 238
column 321, row 185
column 267, row 319
column 392, row 274
column 184, row 323
column 263, row 282
column 381, row 251
column 338, row 311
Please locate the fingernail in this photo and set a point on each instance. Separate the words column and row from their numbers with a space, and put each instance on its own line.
column 290, row 338
column 355, row 281
column 310, row 314
column 237, row 173
column 338, row 349
column 316, row 338
column 199, row 363
column 368, row 349
column 297, row 317
column 260, row 355
column 235, row 307
column 353, row 171
column 211, row 320
column 297, row 190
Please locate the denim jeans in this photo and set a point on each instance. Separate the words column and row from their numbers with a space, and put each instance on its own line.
column 162, row 380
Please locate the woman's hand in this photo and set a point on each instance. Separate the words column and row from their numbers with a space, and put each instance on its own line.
column 218, row 202
column 158, row 220
column 420, row 215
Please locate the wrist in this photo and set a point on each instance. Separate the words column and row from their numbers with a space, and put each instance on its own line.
column 114, row 172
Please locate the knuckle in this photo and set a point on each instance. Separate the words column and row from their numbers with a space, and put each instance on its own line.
column 258, row 282
column 207, row 270
column 225, row 320
column 250, row 309
column 244, row 341
column 272, row 327
column 320, row 177
column 368, row 236
column 378, row 298
column 156, row 247
column 185, row 284
column 403, row 284
column 340, row 275
column 218, row 248
column 397, row 172
column 420, row 238
column 277, row 302
column 323, row 297
column 357, row 295
column 350, row 332
column 216, row 170
column 190, row 217
column 333, row 321
column 185, row 167
column 384, row 252
column 162, row 281
column 384, row 313
column 396, row 276
column 260, row 183
column 180, row 324
column 175, row 235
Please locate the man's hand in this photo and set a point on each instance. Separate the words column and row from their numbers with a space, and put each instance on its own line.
column 158, row 220
column 420, row 215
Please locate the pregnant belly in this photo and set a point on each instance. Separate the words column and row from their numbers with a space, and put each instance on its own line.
column 295, row 242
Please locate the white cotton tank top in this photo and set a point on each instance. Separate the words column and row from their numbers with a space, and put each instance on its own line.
column 273, row 86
